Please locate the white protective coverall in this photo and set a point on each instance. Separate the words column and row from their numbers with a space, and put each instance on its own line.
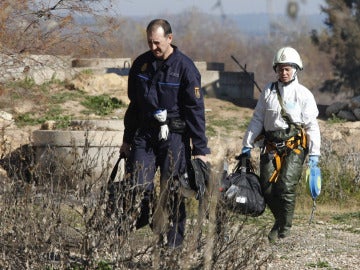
column 300, row 106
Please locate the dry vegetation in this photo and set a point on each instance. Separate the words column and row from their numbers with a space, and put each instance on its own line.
column 57, row 221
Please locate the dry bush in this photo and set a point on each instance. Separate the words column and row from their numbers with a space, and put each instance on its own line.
column 340, row 174
column 59, row 221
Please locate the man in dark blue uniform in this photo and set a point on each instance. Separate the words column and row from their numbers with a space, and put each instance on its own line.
column 164, row 127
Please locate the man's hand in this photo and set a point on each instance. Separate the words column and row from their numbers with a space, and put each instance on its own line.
column 125, row 149
column 164, row 132
column 246, row 151
column 161, row 116
column 202, row 157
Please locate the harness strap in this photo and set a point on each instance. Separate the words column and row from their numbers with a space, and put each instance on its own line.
column 293, row 143
column 279, row 154
column 304, row 143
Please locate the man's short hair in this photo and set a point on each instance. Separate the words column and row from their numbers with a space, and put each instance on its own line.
column 154, row 24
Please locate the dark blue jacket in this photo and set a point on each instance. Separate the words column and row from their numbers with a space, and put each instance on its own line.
column 176, row 87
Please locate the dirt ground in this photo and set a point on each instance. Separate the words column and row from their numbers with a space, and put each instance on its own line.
column 322, row 244
column 342, row 136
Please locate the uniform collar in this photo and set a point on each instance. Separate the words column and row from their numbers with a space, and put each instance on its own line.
column 172, row 57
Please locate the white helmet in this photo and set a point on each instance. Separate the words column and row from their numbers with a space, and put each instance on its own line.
column 287, row 55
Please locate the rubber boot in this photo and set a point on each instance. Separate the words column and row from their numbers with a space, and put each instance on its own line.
column 275, row 207
column 269, row 192
column 273, row 234
column 288, row 181
column 286, row 215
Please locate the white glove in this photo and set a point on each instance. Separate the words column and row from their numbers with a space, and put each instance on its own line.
column 164, row 132
column 161, row 116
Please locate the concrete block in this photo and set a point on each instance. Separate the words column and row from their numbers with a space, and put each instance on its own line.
column 123, row 63
column 94, row 147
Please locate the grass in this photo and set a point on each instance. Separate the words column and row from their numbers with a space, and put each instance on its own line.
column 351, row 219
column 347, row 216
column 27, row 83
column 101, row 105
column 335, row 120
column 29, row 119
column 62, row 97
column 320, row 264
column 226, row 126
column 49, row 98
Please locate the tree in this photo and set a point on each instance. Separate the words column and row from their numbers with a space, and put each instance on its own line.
column 55, row 27
column 341, row 39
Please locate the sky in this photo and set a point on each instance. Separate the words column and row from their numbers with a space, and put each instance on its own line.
column 156, row 7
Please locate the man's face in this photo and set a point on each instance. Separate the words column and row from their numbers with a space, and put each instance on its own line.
column 285, row 72
column 159, row 44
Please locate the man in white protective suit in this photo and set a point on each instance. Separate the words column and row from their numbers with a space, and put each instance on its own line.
column 285, row 117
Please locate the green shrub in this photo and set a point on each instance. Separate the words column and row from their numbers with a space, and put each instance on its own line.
column 101, row 105
column 335, row 120
column 28, row 118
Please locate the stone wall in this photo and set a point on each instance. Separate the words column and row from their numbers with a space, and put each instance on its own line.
column 42, row 68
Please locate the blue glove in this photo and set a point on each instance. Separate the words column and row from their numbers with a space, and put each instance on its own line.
column 313, row 161
column 246, row 151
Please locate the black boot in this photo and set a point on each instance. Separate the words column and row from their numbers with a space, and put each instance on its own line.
column 273, row 234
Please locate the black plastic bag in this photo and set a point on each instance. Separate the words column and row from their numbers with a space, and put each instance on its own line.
column 241, row 191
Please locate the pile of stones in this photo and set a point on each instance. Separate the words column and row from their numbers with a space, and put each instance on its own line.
column 349, row 111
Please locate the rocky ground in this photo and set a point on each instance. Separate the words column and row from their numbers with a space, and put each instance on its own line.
column 321, row 244
column 327, row 243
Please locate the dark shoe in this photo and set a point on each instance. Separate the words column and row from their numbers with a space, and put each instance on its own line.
column 273, row 234
column 285, row 232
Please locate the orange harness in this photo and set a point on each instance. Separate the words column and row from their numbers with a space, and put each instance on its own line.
column 293, row 143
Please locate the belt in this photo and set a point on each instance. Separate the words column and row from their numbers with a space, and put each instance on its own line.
column 175, row 124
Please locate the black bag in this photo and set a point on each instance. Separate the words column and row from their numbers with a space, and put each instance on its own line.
column 241, row 191
column 120, row 193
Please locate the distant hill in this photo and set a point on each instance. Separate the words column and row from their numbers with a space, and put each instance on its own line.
column 260, row 24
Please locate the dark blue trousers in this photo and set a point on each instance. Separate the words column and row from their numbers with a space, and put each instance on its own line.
column 147, row 155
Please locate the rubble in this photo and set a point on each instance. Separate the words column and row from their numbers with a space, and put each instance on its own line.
column 349, row 111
